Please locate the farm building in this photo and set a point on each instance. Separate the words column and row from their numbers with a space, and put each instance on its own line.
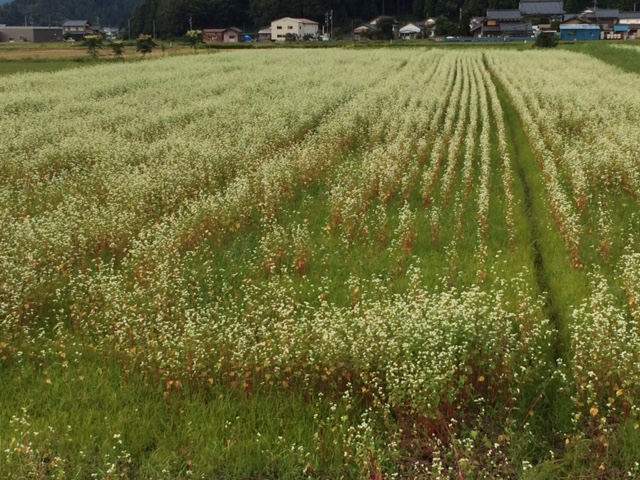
column 222, row 35
column 30, row 34
column 299, row 27
column 582, row 32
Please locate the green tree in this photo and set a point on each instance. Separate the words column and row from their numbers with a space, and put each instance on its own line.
column 546, row 40
column 465, row 19
column 384, row 30
column 117, row 48
column 194, row 37
column 145, row 45
column 445, row 27
column 93, row 44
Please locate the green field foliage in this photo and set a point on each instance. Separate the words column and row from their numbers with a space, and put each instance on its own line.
column 329, row 263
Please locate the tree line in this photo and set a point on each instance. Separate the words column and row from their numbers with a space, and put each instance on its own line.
column 111, row 13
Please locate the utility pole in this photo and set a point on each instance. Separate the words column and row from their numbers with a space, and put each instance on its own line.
column 331, row 17
column 190, row 22
column 129, row 28
column 326, row 23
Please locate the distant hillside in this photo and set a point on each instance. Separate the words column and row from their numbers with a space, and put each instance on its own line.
column 41, row 12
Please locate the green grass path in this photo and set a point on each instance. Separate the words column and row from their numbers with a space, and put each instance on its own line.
column 553, row 273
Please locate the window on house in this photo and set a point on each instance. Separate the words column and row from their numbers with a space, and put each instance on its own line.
column 279, row 27
column 290, row 27
column 491, row 23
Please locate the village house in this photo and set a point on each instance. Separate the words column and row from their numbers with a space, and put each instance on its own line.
column 222, row 35
column 412, row 31
column 542, row 11
column 607, row 18
column 631, row 20
column 505, row 23
column 364, row 31
column 299, row 28
column 77, row 29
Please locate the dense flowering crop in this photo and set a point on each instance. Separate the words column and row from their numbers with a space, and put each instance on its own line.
column 342, row 223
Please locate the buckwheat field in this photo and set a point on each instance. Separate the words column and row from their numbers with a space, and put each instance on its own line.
column 331, row 263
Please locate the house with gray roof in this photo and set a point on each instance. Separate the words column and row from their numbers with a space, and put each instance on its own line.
column 542, row 9
column 632, row 20
column 607, row 18
column 505, row 23
column 77, row 29
column 363, row 31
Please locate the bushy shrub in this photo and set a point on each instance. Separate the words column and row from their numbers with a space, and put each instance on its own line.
column 546, row 40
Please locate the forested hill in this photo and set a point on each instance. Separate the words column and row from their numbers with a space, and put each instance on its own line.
column 40, row 12
column 171, row 17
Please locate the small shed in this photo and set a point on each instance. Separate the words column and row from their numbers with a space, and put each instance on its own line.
column 264, row 35
column 233, row 35
column 584, row 32
column 620, row 32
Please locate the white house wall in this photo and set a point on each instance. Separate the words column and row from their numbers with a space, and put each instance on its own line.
column 280, row 28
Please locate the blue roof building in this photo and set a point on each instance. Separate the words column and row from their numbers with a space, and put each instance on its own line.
column 579, row 33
